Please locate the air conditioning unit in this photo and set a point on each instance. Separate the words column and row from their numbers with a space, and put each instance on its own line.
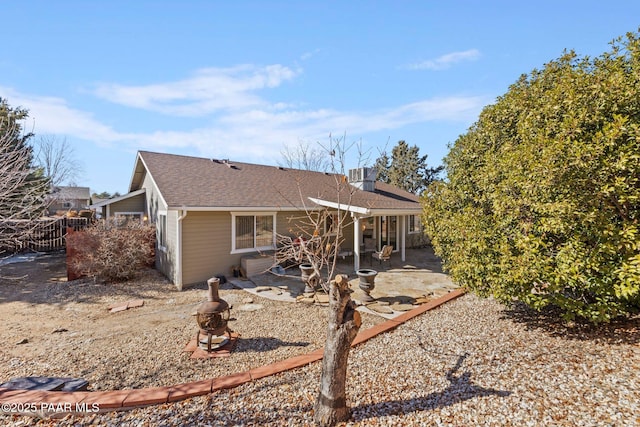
column 363, row 178
column 356, row 175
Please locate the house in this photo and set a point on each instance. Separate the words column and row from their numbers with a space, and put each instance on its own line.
column 210, row 213
column 68, row 199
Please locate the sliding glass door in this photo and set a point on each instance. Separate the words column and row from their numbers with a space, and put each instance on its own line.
column 389, row 231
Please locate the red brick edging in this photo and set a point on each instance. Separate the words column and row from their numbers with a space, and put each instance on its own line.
column 82, row 402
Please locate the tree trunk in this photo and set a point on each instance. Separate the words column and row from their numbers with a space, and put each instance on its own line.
column 344, row 323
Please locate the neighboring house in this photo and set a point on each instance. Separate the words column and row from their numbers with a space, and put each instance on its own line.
column 97, row 201
column 69, row 199
column 210, row 213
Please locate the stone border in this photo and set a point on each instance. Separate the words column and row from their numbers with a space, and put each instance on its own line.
column 56, row 402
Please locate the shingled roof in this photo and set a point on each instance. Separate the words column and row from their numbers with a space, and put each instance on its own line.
column 195, row 182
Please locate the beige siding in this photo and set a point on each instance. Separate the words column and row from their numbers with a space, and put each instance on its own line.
column 154, row 201
column 206, row 246
column 286, row 223
column 166, row 261
column 347, row 237
column 131, row 204
column 166, row 258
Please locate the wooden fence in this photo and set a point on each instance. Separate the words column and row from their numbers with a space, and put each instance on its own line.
column 43, row 235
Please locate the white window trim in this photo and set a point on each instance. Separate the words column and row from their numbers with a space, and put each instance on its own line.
column 254, row 249
column 166, row 228
column 117, row 214
column 418, row 222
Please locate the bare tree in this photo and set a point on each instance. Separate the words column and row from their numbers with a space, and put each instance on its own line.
column 316, row 240
column 306, row 157
column 22, row 188
column 57, row 160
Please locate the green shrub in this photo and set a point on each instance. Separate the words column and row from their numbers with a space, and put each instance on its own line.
column 112, row 252
column 541, row 202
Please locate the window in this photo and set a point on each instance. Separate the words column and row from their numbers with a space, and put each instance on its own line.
column 414, row 224
column 161, row 231
column 252, row 232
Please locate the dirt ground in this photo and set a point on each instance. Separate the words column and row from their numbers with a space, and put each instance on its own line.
column 51, row 327
column 29, row 290
column 36, row 301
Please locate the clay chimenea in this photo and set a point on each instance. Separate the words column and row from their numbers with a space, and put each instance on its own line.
column 212, row 317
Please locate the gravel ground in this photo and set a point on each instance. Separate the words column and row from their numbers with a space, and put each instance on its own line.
column 469, row 362
column 75, row 335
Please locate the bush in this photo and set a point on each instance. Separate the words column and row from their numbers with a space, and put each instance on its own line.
column 112, row 253
column 542, row 197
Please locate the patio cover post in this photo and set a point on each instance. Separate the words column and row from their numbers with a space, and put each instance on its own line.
column 357, row 237
column 403, row 231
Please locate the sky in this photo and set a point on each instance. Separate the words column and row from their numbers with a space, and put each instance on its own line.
column 242, row 80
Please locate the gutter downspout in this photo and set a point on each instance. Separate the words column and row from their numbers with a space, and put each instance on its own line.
column 182, row 214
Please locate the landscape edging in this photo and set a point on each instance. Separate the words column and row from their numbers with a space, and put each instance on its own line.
column 49, row 402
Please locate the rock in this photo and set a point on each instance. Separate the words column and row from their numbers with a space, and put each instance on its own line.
column 23, row 341
column 58, row 330
column 250, row 307
column 247, row 300
column 402, row 307
column 384, row 309
column 322, row 298
column 118, row 309
column 263, row 288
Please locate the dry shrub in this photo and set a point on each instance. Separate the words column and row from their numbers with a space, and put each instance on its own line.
column 113, row 252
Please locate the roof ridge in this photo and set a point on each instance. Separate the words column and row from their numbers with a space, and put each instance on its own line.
column 234, row 162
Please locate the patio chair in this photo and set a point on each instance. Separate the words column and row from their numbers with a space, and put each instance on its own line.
column 384, row 255
column 369, row 247
column 344, row 253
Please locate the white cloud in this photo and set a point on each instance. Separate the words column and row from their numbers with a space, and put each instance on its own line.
column 445, row 61
column 52, row 115
column 308, row 55
column 231, row 137
column 207, row 90
column 256, row 133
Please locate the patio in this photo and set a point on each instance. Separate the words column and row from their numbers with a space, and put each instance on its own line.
column 399, row 285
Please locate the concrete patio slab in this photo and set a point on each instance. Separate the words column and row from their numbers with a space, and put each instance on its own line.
column 416, row 280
